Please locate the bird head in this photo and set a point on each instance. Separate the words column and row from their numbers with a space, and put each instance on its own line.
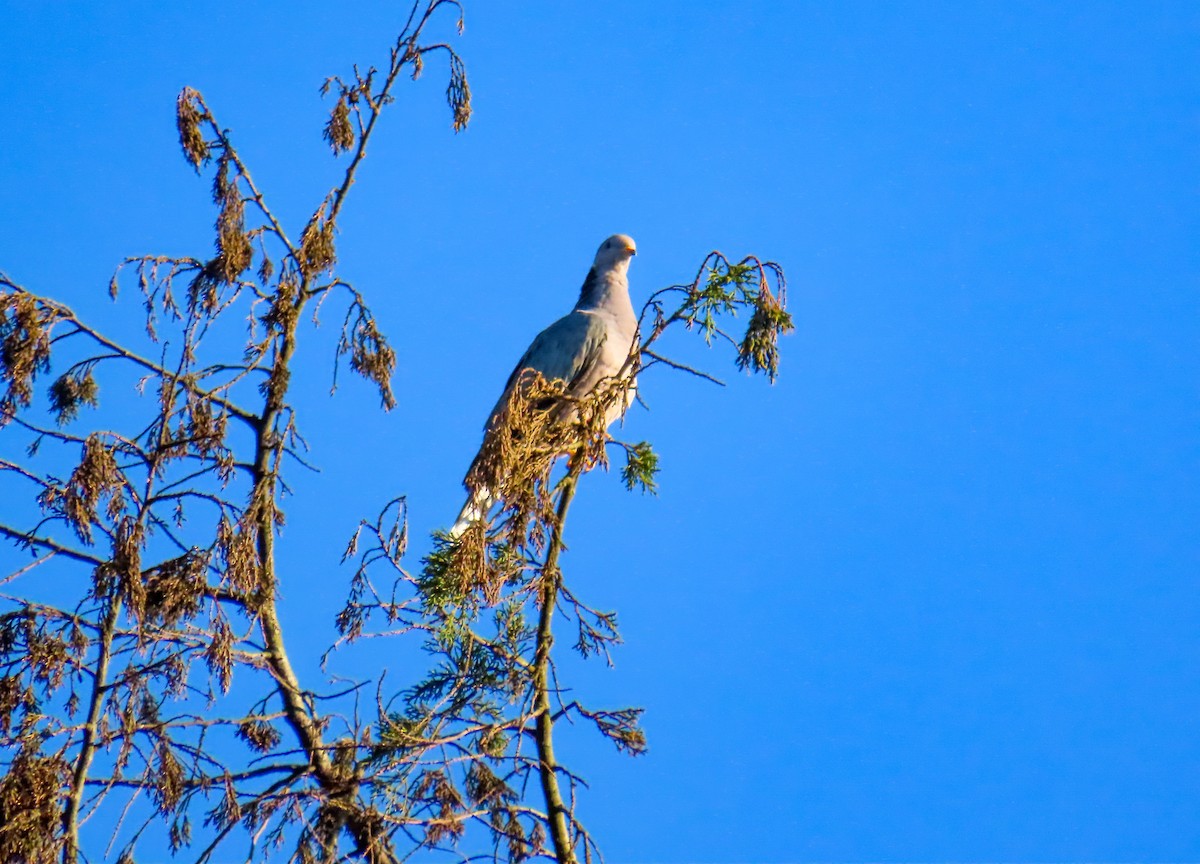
column 615, row 251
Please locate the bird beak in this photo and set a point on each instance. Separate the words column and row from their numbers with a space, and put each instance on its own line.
column 630, row 250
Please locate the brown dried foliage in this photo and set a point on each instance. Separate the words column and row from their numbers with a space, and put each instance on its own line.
column 237, row 548
column 126, row 565
column 259, row 734
column 189, row 114
column 25, row 326
column 338, row 131
column 458, row 95
column 71, row 391
column 95, row 478
column 317, row 253
column 371, row 356
column 218, row 656
column 14, row 697
column 205, row 426
column 31, row 808
column 234, row 252
column 175, row 589
column 167, row 788
column 449, row 822
column 46, row 650
column 540, row 424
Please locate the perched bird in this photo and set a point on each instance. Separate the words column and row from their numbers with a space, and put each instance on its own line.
column 582, row 349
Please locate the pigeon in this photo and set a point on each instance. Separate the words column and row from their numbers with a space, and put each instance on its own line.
column 587, row 346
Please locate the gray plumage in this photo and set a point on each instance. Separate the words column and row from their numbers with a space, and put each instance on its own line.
column 583, row 348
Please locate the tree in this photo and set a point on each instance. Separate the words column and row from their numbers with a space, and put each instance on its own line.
column 164, row 528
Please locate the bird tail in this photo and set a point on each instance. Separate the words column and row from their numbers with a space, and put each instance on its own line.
column 476, row 509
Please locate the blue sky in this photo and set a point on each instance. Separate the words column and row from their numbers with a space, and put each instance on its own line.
column 933, row 596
